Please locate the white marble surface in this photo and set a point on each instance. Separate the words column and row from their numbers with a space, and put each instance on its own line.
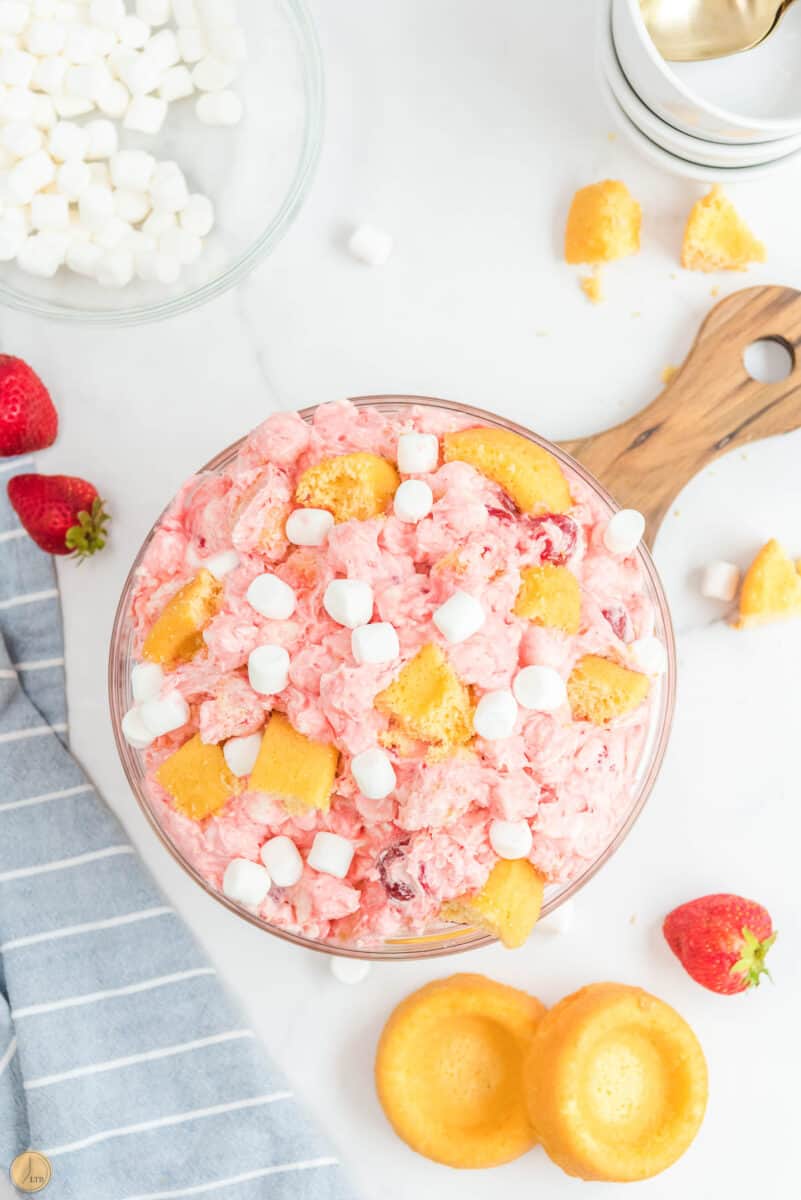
column 463, row 127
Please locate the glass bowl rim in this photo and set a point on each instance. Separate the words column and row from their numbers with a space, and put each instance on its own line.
column 244, row 263
column 401, row 950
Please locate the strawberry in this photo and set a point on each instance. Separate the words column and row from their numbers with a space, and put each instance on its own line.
column 721, row 941
column 63, row 514
column 28, row 420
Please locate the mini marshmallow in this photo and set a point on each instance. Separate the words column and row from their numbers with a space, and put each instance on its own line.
column 165, row 713
column 182, row 245
column 21, row 138
column 14, row 15
column 222, row 564
column 282, row 859
column 413, row 500
column 132, row 169
column 192, row 45
column 71, row 106
column 49, row 74
column 649, row 655
column 82, row 44
column 495, row 715
column 158, row 223
column 86, row 80
column 374, row 774
column 157, row 268
column 12, row 237
column 154, row 12
column 227, row 42
column 271, row 597
column 102, row 136
column 68, row 141
column 100, row 174
column 459, row 617
column 147, row 679
column 540, row 688
column 560, row 921
column 268, row 669
column 720, row 581
column 348, row 970
column 114, row 99
column 245, row 882
column 624, row 531
column 115, row 269
column 16, row 67
column 83, row 258
column 213, row 74
column 43, row 38
column 309, row 526
column 146, row 114
column 163, row 49
column 240, row 753
column 370, row 245
column 40, row 255
column 50, row 212
column 185, row 12
column 511, row 839
column 349, row 602
column 176, row 84
column 96, row 206
column 219, row 108
column 197, row 215
column 44, row 115
column 134, row 730
column 107, row 14
column 139, row 73
column 17, row 104
column 217, row 12
column 133, row 32
column 418, row 453
column 168, row 186
column 376, row 643
column 331, row 854
column 73, row 178
column 131, row 206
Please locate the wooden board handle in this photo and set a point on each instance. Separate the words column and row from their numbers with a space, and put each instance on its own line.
column 710, row 406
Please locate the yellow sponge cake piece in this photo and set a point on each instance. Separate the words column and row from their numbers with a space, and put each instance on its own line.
column 529, row 474
column 177, row 633
column 771, row 588
column 290, row 765
column 717, row 238
column 429, row 701
column 198, row 779
column 550, row 595
column 600, row 690
column 603, row 224
column 350, row 486
column 508, row 906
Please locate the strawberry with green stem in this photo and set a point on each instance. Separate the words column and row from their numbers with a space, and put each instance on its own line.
column 62, row 513
column 721, row 941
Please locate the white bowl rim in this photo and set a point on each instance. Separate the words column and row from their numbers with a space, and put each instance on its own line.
column 683, row 141
column 771, row 124
column 684, row 166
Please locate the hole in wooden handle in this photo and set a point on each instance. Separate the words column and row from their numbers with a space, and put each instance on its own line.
column 769, row 359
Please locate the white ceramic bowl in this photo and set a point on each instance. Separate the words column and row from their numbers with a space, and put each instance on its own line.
column 697, row 150
column 676, row 165
column 660, row 88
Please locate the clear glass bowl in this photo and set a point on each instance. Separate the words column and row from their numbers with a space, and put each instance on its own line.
column 257, row 174
column 444, row 939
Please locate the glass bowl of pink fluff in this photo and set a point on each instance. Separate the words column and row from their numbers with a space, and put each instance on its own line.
column 578, row 786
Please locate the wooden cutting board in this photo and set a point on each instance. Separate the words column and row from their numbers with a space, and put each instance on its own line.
column 711, row 406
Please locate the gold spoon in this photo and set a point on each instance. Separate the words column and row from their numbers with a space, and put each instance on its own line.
column 692, row 30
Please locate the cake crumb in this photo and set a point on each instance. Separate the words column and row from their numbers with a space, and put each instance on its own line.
column 716, row 237
column 633, row 919
column 603, row 223
column 715, row 291
column 592, row 286
column 611, row 137
column 668, row 372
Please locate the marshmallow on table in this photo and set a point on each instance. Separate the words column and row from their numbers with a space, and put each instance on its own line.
column 511, row 839
column 246, row 882
column 370, row 245
column 540, row 688
column 331, row 854
column 413, row 500
column 459, row 617
column 164, row 714
column 720, row 581
column 268, row 669
column 624, row 531
column 147, row 679
column 349, row 602
column 135, row 731
column 271, row 597
column 349, row 970
column 375, row 643
column 649, row 655
column 495, row 715
column 374, row 774
column 418, row 453
column 282, row 859
column 219, row 108
column 240, row 753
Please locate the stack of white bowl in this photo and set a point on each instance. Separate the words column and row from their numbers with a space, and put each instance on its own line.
column 726, row 119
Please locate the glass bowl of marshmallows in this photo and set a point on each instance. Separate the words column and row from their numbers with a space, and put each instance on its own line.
column 195, row 846
column 151, row 151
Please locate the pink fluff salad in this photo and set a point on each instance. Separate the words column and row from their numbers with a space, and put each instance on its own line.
column 428, row 841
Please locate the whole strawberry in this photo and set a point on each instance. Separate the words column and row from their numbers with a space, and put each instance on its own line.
column 721, row 941
column 28, row 420
column 63, row 514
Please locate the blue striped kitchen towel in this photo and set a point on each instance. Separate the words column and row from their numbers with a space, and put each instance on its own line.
column 121, row 1057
